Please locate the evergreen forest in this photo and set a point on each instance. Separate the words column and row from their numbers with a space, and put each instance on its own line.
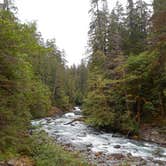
column 120, row 85
column 126, row 67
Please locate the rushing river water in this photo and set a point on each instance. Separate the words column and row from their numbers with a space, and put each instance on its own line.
column 83, row 137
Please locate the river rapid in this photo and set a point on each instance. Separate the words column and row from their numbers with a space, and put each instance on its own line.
column 98, row 147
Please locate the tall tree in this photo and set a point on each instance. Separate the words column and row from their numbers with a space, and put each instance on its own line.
column 98, row 26
column 136, row 26
column 159, row 44
column 21, row 92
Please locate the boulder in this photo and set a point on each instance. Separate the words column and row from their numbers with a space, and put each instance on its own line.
column 12, row 162
column 117, row 146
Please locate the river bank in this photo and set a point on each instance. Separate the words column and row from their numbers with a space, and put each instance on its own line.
column 114, row 159
column 98, row 147
column 78, row 143
column 153, row 134
column 44, row 151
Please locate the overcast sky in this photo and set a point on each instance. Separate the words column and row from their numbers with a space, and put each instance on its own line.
column 65, row 20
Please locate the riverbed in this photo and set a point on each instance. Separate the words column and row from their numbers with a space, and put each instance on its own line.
column 99, row 147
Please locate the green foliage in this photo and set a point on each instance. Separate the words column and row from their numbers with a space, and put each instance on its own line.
column 97, row 96
column 128, row 125
column 19, row 87
column 39, row 100
column 141, row 64
column 146, row 85
column 137, row 22
column 76, row 83
column 127, row 81
column 46, row 152
column 122, row 86
column 33, row 76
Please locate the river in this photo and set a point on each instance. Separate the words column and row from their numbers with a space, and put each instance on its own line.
column 100, row 147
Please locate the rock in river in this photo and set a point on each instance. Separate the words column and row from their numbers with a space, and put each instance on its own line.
column 117, row 146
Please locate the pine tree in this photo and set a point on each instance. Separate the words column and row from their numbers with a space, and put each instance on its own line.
column 96, row 106
column 137, row 27
column 99, row 26
column 159, row 45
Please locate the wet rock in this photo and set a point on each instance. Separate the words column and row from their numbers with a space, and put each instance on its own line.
column 117, row 146
column 116, row 135
column 88, row 150
column 69, row 115
column 154, row 134
column 48, row 120
column 77, row 112
column 82, row 134
column 12, row 162
column 116, row 156
column 2, row 163
column 160, row 162
column 80, row 146
column 42, row 122
column 135, row 137
column 89, row 145
column 98, row 154
column 49, row 128
column 144, row 162
column 129, row 155
column 158, row 152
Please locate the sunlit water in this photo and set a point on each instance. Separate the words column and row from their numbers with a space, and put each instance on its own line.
column 82, row 137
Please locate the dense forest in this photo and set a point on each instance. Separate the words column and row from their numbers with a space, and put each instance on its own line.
column 127, row 65
column 121, row 87
column 33, row 78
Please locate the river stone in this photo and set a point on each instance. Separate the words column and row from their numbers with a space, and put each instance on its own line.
column 77, row 112
column 69, row 115
column 116, row 135
column 117, row 146
column 82, row 134
column 116, row 156
column 81, row 147
column 48, row 120
column 89, row 145
column 2, row 163
column 12, row 162
column 129, row 155
column 98, row 154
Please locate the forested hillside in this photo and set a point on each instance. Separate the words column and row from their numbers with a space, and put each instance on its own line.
column 121, row 87
column 127, row 66
column 34, row 77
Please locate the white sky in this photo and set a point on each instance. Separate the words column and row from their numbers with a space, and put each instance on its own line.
column 65, row 20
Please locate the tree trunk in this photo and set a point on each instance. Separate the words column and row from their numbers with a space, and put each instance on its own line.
column 138, row 109
column 161, row 103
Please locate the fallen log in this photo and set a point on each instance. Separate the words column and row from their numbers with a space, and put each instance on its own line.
column 81, row 119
